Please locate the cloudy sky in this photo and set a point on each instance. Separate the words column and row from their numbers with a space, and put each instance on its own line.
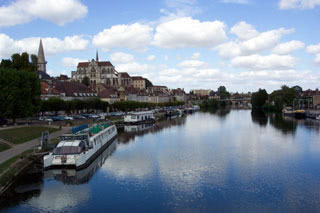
column 242, row 44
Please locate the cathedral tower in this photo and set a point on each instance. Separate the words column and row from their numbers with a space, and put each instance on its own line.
column 41, row 59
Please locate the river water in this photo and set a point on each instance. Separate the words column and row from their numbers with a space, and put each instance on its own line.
column 223, row 161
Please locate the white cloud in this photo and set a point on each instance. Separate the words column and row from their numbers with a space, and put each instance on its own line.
column 195, row 56
column 236, row 1
column 51, row 45
column 136, row 36
column 179, row 8
column 298, row 4
column 244, row 31
column 134, row 68
column 317, row 59
column 263, row 41
column 57, row 11
column 192, row 64
column 313, row 49
column 151, row 57
column 188, row 32
column 120, row 57
column 269, row 62
column 71, row 62
column 288, row 47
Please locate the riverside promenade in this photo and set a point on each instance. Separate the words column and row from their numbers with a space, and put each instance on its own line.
column 20, row 148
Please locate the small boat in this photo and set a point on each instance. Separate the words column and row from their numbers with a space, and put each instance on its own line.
column 139, row 117
column 287, row 111
column 79, row 148
column 172, row 113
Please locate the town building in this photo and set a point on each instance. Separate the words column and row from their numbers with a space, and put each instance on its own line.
column 98, row 72
column 139, row 82
column 201, row 92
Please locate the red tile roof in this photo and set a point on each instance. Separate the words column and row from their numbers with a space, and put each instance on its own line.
column 100, row 63
column 124, row 74
column 137, row 78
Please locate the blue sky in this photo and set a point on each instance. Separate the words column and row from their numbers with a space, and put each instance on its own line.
column 242, row 44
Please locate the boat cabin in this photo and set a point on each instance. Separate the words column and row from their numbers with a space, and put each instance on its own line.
column 134, row 117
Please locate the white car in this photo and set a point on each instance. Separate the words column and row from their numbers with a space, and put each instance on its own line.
column 68, row 118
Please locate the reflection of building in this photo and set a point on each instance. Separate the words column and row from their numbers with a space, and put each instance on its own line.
column 126, row 137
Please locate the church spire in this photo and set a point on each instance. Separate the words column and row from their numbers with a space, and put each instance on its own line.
column 97, row 56
column 41, row 59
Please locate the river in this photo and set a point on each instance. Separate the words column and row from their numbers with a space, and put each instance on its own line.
column 223, row 161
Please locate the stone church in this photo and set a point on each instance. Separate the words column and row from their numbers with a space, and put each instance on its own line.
column 98, row 72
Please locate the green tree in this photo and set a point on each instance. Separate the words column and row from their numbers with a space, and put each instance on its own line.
column 86, row 81
column 258, row 99
column 223, row 93
column 19, row 93
column 19, row 62
column 34, row 60
column 283, row 97
column 6, row 63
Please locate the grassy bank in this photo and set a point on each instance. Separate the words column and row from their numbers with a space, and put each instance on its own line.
column 4, row 147
column 13, row 167
column 23, row 134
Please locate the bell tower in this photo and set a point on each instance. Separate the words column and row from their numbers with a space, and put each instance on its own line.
column 41, row 59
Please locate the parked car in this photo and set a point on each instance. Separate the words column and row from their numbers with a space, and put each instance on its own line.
column 58, row 118
column 69, row 118
column 3, row 121
column 78, row 117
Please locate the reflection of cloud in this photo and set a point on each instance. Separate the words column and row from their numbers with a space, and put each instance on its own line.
column 59, row 197
column 128, row 164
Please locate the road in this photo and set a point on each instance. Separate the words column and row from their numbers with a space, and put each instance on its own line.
column 18, row 149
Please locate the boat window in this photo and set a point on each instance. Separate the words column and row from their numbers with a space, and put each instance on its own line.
column 134, row 117
column 68, row 150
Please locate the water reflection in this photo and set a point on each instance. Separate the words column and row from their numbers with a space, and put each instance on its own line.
column 44, row 196
column 286, row 125
column 199, row 163
column 130, row 132
column 72, row 176
column 260, row 118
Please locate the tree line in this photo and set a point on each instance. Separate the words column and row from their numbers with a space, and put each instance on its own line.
column 275, row 101
column 20, row 87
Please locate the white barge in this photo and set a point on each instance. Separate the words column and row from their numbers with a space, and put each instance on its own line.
column 79, row 149
column 139, row 117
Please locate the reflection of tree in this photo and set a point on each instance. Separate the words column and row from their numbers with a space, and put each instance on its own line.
column 259, row 117
column 25, row 187
column 126, row 137
column 285, row 124
column 222, row 112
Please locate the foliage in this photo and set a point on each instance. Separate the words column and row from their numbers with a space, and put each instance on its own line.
column 132, row 105
column 213, row 104
column 86, row 81
column 258, row 99
column 57, row 104
column 20, row 62
column 283, row 97
column 19, row 93
column 223, row 93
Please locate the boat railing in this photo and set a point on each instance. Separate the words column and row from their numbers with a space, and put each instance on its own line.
column 98, row 128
